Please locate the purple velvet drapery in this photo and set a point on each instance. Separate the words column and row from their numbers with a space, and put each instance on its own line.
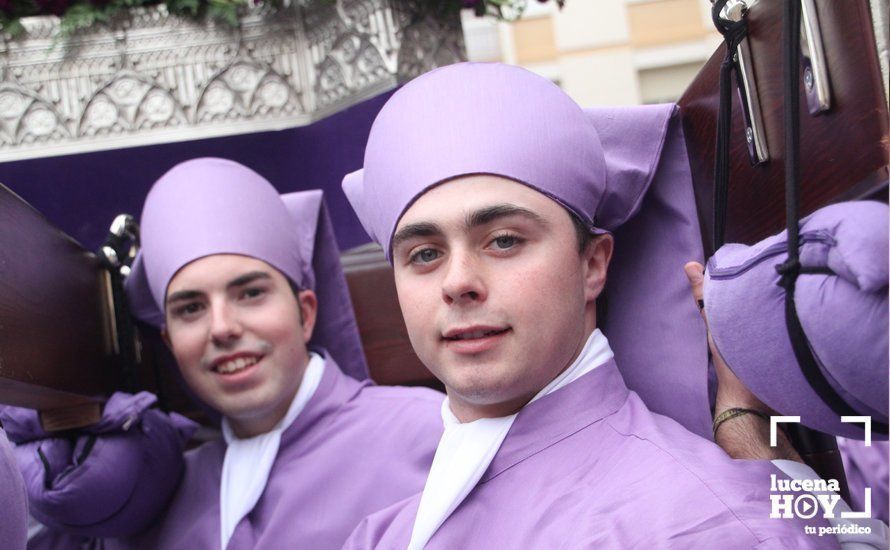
column 81, row 194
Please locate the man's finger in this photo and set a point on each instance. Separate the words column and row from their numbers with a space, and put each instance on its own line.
column 695, row 272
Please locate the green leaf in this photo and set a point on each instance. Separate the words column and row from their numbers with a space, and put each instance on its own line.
column 223, row 10
column 79, row 16
column 12, row 27
column 188, row 8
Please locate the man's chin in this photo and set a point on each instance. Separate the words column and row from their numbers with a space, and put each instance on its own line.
column 485, row 393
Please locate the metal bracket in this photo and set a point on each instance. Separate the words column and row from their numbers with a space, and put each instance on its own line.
column 815, row 68
column 815, row 75
column 755, row 136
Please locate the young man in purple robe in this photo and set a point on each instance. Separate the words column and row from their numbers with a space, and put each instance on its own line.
column 493, row 194
column 254, row 308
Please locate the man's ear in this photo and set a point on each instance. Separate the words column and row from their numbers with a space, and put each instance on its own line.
column 596, row 259
column 166, row 336
column 308, row 304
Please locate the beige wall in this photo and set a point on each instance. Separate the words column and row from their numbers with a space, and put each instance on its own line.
column 584, row 24
column 613, row 52
column 666, row 83
column 663, row 21
column 605, row 77
column 533, row 40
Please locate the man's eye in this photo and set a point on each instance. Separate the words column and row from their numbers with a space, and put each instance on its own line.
column 253, row 293
column 425, row 256
column 187, row 310
column 505, row 242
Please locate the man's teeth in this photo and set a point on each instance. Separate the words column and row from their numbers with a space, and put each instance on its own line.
column 236, row 364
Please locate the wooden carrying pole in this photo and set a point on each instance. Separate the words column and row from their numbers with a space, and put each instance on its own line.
column 57, row 338
column 843, row 141
column 843, row 149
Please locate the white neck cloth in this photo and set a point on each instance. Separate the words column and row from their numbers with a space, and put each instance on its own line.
column 466, row 450
column 248, row 462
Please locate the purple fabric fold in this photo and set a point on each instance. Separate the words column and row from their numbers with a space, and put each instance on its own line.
column 622, row 169
column 132, row 457
column 653, row 326
column 844, row 314
column 867, row 468
column 13, row 499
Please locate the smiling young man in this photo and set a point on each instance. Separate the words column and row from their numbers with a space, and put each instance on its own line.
column 254, row 307
column 485, row 266
column 239, row 335
column 495, row 221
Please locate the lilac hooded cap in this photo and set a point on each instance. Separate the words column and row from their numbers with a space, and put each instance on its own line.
column 843, row 314
column 623, row 170
column 215, row 206
column 133, row 457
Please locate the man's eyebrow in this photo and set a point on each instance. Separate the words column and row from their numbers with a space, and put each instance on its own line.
column 248, row 278
column 486, row 215
column 420, row 229
column 183, row 295
column 245, row 279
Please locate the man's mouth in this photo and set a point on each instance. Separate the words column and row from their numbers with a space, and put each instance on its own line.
column 473, row 333
column 231, row 365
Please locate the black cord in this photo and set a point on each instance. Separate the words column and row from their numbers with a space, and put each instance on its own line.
column 791, row 268
column 733, row 33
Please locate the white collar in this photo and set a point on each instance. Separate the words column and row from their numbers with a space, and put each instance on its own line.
column 248, row 462
column 466, row 449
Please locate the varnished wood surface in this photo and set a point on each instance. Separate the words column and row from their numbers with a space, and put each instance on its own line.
column 391, row 359
column 53, row 330
column 54, row 334
column 843, row 151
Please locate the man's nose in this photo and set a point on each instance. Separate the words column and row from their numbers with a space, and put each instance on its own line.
column 464, row 280
column 224, row 323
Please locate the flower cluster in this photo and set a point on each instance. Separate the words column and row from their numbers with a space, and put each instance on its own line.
column 81, row 14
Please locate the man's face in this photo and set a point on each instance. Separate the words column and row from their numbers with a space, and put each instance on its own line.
column 234, row 326
column 495, row 295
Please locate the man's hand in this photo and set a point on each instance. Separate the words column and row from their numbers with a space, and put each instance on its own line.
column 745, row 436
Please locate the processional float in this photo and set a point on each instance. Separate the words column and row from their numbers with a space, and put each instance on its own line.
column 66, row 341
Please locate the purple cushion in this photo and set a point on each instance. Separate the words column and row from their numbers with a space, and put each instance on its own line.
column 110, row 479
column 844, row 315
column 13, row 499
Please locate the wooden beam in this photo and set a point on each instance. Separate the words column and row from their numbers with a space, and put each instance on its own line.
column 843, row 151
column 391, row 359
column 56, row 341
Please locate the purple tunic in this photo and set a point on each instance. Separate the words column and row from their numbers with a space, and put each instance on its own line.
column 13, row 499
column 356, row 448
column 589, row 466
column 867, row 467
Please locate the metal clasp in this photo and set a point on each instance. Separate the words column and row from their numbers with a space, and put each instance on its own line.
column 123, row 228
column 755, row 134
column 815, row 68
